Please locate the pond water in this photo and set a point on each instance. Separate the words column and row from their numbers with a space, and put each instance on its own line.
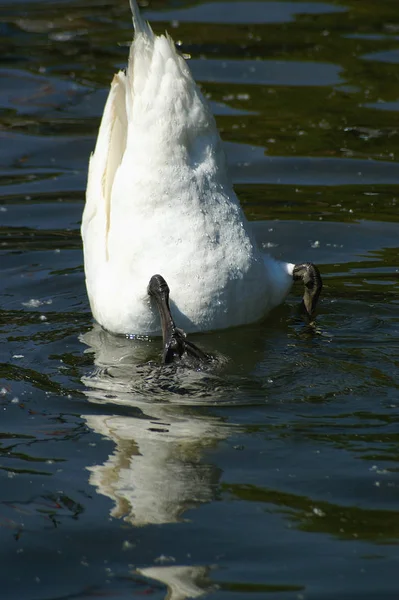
column 276, row 475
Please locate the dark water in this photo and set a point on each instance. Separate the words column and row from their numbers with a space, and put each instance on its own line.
column 277, row 475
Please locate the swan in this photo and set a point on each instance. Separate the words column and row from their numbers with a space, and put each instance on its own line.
column 159, row 200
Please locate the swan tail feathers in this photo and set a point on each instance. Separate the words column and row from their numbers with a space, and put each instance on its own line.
column 140, row 25
column 158, row 77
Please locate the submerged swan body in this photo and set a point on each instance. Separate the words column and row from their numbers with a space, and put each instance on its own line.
column 159, row 200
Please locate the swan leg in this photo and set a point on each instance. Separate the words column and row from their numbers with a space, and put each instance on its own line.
column 175, row 344
column 309, row 274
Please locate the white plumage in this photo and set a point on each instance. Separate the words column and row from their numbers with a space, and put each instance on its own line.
column 159, row 200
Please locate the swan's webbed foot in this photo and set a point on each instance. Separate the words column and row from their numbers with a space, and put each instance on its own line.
column 309, row 274
column 175, row 344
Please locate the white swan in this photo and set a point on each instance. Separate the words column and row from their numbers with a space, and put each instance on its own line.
column 159, row 200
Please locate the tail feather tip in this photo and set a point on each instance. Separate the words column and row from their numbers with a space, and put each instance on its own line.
column 140, row 25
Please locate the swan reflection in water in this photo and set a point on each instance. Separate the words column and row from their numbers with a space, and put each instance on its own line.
column 182, row 582
column 156, row 472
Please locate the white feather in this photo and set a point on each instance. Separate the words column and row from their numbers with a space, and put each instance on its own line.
column 159, row 200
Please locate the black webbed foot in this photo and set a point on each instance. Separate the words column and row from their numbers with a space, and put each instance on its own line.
column 175, row 344
column 309, row 274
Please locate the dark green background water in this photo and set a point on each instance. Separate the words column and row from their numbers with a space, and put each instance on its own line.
column 275, row 477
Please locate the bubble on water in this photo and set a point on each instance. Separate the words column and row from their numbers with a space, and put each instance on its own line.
column 128, row 545
column 36, row 302
column 164, row 559
column 375, row 469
